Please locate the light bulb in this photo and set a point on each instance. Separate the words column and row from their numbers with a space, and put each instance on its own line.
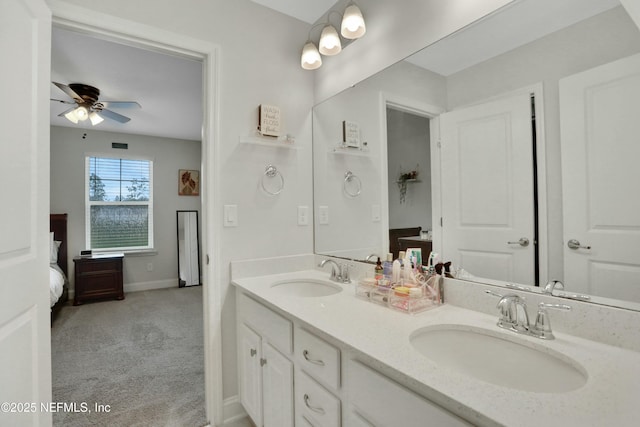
column 81, row 113
column 311, row 58
column 330, row 41
column 352, row 23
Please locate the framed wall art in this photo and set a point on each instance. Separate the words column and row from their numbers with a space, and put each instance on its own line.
column 188, row 182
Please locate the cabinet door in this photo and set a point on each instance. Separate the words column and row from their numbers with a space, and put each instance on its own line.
column 277, row 380
column 250, row 375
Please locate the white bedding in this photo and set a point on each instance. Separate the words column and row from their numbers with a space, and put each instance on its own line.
column 56, row 282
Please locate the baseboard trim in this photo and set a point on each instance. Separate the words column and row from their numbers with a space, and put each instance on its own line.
column 142, row 286
column 148, row 286
column 232, row 409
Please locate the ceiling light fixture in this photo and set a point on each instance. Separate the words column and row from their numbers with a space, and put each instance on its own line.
column 311, row 58
column 352, row 27
column 81, row 113
column 330, row 41
column 95, row 118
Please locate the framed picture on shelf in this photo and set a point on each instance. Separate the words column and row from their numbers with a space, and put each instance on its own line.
column 188, row 182
column 350, row 134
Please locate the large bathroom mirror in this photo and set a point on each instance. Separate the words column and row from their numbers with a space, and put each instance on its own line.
column 511, row 141
column 188, row 249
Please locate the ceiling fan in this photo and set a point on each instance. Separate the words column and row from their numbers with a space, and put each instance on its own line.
column 87, row 105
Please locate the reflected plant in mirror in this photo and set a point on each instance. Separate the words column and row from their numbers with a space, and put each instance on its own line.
column 530, row 132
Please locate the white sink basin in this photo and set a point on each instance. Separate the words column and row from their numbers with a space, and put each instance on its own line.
column 498, row 358
column 306, row 288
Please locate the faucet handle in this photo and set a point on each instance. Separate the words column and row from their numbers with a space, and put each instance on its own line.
column 345, row 276
column 542, row 328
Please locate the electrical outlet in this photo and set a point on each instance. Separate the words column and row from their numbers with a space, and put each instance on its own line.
column 303, row 215
column 149, row 266
column 323, row 214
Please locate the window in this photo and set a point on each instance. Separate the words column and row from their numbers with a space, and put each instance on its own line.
column 119, row 204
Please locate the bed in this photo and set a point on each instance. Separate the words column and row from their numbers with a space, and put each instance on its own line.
column 58, row 264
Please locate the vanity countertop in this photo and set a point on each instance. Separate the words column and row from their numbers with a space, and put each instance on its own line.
column 610, row 396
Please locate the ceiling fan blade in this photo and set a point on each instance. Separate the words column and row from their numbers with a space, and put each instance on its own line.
column 61, row 101
column 120, row 104
column 113, row 116
column 66, row 89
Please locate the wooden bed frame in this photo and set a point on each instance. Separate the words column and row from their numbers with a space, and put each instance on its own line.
column 58, row 224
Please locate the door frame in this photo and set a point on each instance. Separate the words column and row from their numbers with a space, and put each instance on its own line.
column 147, row 37
column 422, row 109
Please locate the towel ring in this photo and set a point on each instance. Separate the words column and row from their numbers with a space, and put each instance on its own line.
column 348, row 178
column 272, row 172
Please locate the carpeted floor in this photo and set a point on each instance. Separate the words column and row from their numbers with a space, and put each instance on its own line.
column 142, row 356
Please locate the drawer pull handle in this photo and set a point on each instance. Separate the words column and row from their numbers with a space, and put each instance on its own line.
column 253, row 352
column 305, row 353
column 313, row 408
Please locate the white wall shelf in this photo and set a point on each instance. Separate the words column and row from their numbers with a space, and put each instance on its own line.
column 266, row 141
column 349, row 152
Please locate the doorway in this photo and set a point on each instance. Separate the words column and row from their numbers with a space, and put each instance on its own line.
column 142, row 36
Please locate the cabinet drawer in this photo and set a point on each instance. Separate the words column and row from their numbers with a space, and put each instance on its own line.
column 318, row 358
column 315, row 403
column 275, row 328
column 401, row 407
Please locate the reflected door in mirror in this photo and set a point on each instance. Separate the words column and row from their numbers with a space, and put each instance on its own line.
column 487, row 189
column 188, row 252
column 600, row 153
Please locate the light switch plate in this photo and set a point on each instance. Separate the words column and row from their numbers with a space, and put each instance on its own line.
column 230, row 215
column 323, row 214
column 303, row 215
column 375, row 213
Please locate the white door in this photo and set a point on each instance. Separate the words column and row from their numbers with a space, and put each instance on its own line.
column 250, row 374
column 277, row 395
column 25, row 347
column 601, row 178
column 487, row 189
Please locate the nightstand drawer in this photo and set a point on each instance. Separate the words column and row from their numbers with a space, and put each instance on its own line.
column 98, row 278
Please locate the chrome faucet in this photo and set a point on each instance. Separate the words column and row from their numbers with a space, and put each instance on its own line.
column 514, row 317
column 339, row 272
column 550, row 286
column 513, row 312
column 369, row 257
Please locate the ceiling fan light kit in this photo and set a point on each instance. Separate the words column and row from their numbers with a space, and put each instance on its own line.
column 87, row 106
column 352, row 27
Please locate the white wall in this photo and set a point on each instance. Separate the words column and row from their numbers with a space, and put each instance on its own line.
column 395, row 30
column 408, row 148
column 259, row 63
column 601, row 39
column 68, row 151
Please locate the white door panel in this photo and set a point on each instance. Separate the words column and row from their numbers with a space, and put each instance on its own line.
column 487, row 189
column 25, row 349
column 600, row 175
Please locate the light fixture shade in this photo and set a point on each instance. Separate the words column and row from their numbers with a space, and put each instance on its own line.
column 311, row 58
column 330, row 41
column 71, row 116
column 353, row 23
column 95, row 118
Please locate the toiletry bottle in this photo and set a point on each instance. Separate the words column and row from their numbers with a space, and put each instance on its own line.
column 395, row 272
column 379, row 270
column 387, row 266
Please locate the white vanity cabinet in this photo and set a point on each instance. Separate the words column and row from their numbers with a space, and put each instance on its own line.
column 375, row 400
column 265, row 373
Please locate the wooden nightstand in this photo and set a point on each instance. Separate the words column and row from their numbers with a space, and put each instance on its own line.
column 98, row 277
